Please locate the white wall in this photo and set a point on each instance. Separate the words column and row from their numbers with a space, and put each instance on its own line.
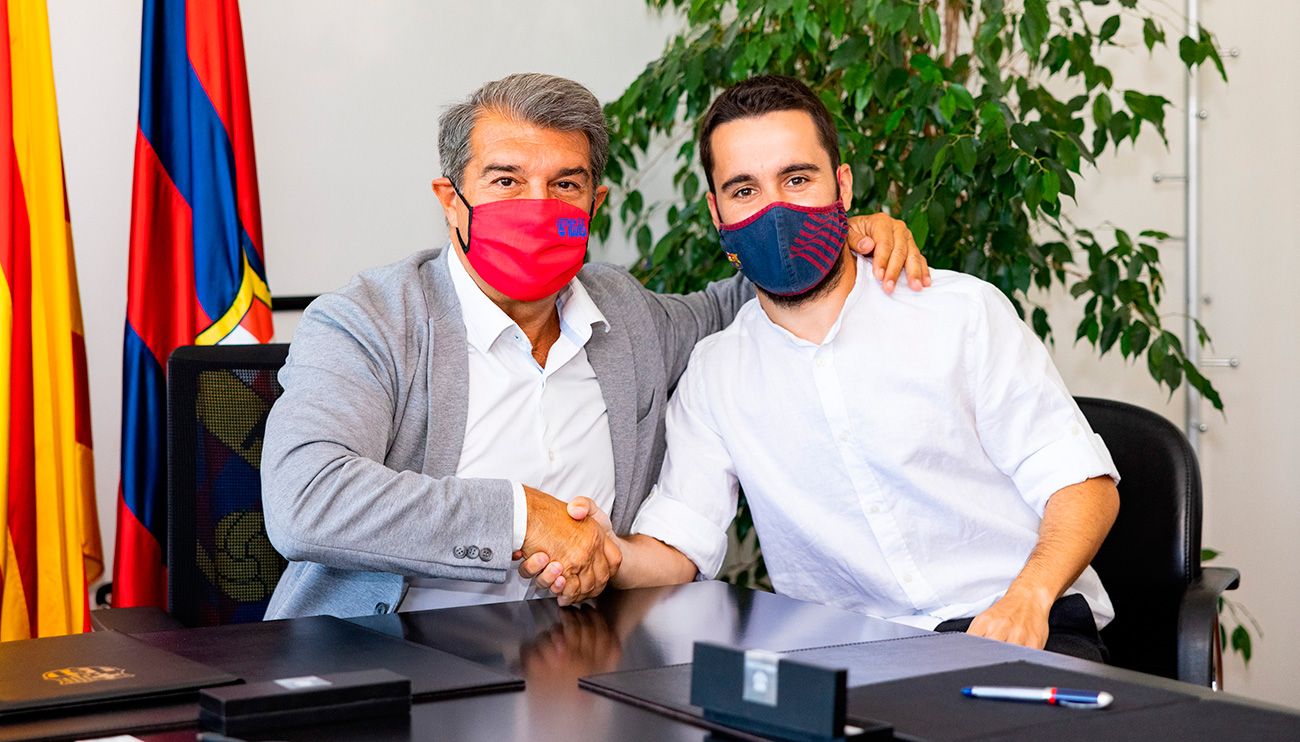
column 345, row 98
column 1249, row 253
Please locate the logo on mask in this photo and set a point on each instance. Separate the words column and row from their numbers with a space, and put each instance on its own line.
column 570, row 227
column 734, row 259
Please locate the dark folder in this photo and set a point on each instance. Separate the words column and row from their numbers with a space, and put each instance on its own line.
column 89, row 671
column 933, row 707
column 1206, row 719
column 322, row 644
column 929, row 705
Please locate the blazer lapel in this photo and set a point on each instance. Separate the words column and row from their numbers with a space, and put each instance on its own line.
column 448, row 369
column 610, row 356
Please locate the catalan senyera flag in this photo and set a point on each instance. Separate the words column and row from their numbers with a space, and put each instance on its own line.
column 49, row 531
column 197, row 274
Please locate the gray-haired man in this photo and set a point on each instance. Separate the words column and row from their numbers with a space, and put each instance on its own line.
column 438, row 412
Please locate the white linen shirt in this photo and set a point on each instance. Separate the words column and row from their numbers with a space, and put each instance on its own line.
column 900, row 468
column 544, row 427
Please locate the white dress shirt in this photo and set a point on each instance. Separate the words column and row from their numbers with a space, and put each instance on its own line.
column 900, row 468
column 544, row 427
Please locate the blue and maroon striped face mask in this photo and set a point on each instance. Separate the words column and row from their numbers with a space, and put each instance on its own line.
column 786, row 249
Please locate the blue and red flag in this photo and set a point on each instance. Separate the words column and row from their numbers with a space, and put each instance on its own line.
column 197, row 274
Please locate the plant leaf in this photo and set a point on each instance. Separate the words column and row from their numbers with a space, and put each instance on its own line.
column 1152, row 34
column 930, row 23
column 1241, row 642
column 1109, row 28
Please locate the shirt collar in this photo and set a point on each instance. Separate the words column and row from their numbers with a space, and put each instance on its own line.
column 485, row 322
column 578, row 311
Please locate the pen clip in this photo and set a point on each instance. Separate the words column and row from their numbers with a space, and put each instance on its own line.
column 1104, row 699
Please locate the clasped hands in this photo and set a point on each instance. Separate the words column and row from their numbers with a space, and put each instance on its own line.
column 569, row 548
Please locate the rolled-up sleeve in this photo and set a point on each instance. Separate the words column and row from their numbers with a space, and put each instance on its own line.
column 693, row 503
column 1028, row 423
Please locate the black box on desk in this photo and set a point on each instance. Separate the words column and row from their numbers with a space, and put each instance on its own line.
column 312, row 699
column 772, row 696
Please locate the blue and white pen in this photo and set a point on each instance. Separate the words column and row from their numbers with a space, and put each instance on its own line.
column 1071, row 697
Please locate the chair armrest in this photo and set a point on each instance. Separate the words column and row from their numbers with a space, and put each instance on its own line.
column 1198, row 617
column 141, row 620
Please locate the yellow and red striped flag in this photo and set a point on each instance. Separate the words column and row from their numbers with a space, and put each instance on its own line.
column 49, row 532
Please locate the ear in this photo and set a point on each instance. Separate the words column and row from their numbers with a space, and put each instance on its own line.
column 713, row 209
column 602, row 192
column 452, row 207
column 844, row 174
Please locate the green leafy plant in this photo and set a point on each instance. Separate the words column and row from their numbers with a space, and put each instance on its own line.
column 949, row 114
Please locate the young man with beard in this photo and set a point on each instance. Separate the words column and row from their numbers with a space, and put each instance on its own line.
column 980, row 512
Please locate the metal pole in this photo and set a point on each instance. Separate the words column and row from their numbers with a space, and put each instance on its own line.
column 1191, row 342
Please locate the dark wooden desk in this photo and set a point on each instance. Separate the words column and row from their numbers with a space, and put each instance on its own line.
column 552, row 647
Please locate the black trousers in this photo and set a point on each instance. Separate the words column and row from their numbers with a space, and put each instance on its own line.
column 1071, row 629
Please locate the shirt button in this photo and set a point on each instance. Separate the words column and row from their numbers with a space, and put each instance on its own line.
column 875, row 508
column 907, row 577
column 550, row 454
column 822, row 362
column 844, row 436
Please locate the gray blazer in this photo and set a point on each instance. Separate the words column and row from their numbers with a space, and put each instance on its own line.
column 360, row 454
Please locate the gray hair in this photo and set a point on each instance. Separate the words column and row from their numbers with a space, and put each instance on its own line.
column 542, row 100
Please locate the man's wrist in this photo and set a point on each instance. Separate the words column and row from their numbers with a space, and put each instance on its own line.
column 520, row 516
column 626, row 549
column 1040, row 596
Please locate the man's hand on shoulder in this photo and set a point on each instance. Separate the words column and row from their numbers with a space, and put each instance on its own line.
column 890, row 243
column 1019, row 617
column 570, row 549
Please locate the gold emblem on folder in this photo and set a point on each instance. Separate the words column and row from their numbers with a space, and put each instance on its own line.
column 79, row 675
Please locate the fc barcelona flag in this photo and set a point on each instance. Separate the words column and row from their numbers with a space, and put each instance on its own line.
column 196, row 274
column 49, row 531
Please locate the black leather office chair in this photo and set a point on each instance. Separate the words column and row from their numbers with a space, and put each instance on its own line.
column 221, row 565
column 1166, row 604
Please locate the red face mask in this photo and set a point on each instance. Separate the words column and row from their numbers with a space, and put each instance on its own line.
column 525, row 248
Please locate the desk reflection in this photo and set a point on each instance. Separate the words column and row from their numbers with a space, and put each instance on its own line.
column 552, row 647
column 636, row 628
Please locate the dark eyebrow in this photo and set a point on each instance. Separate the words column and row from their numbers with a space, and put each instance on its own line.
column 797, row 167
column 737, row 180
column 569, row 172
column 497, row 168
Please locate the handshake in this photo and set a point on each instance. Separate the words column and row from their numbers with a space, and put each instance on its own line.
column 570, row 548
